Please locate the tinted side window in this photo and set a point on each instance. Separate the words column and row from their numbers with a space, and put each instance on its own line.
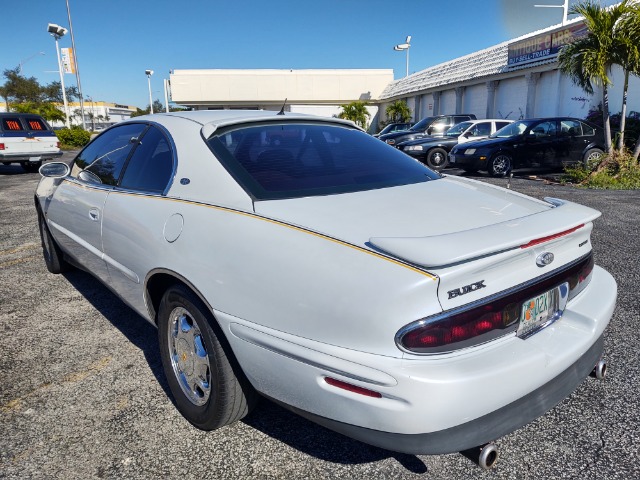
column 571, row 128
column 587, row 130
column 151, row 164
column 460, row 118
column 544, row 129
column 482, row 129
column 105, row 156
column 500, row 125
column 11, row 124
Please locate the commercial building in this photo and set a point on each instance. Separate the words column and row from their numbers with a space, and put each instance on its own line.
column 514, row 80
column 97, row 115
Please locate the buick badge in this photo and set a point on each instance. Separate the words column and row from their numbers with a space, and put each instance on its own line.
column 544, row 259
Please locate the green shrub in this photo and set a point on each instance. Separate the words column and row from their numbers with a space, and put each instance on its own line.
column 616, row 170
column 73, row 137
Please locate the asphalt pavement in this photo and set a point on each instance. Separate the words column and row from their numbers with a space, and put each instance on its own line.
column 82, row 393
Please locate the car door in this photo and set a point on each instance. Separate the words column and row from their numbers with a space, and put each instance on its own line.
column 540, row 146
column 74, row 214
column 137, row 201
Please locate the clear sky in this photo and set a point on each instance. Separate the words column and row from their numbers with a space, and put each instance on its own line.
column 117, row 40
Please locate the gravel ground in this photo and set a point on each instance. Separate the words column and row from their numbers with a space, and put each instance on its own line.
column 82, row 394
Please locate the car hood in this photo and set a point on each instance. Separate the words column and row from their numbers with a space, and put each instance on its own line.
column 431, row 224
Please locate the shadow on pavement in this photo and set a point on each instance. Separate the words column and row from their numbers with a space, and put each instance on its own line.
column 269, row 418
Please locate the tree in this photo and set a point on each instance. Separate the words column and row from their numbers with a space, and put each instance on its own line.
column 356, row 112
column 19, row 89
column 632, row 27
column 398, row 111
column 157, row 108
column 588, row 60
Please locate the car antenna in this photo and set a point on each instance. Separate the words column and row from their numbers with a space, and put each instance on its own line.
column 281, row 112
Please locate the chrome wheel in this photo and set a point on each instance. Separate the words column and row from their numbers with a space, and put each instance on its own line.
column 189, row 357
column 437, row 159
column 500, row 165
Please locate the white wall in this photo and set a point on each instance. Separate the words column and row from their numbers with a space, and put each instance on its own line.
column 511, row 98
column 475, row 100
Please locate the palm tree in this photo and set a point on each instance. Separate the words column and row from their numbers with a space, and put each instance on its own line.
column 627, row 55
column 398, row 111
column 356, row 112
column 588, row 60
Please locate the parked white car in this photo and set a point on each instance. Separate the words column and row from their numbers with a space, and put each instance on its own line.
column 27, row 139
column 292, row 256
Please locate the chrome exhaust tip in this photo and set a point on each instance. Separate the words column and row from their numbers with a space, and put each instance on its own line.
column 485, row 456
column 600, row 370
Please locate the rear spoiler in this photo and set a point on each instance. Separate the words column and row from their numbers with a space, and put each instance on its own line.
column 563, row 218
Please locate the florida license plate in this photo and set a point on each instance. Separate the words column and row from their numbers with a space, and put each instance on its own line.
column 452, row 159
column 542, row 310
column 34, row 159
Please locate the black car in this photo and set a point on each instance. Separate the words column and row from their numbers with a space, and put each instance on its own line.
column 427, row 126
column 433, row 151
column 393, row 127
column 540, row 142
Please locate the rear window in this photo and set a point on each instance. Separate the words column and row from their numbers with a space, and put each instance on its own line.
column 12, row 124
column 287, row 160
column 35, row 123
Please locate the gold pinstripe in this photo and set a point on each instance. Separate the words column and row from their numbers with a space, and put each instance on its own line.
column 275, row 222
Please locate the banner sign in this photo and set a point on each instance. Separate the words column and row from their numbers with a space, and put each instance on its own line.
column 545, row 45
column 68, row 65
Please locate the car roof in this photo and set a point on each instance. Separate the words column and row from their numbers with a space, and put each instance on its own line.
column 211, row 120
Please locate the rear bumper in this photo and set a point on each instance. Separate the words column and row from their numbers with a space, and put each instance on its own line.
column 481, row 430
column 26, row 157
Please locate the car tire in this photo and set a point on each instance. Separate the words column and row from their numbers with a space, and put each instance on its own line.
column 500, row 165
column 592, row 155
column 31, row 166
column 437, row 158
column 53, row 256
column 206, row 382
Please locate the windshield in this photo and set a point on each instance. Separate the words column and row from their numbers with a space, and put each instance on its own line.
column 288, row 160
column 511, row 130
column 458, row 129
column 422, row 125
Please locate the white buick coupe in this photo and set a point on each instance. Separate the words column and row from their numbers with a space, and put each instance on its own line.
column 301, row 259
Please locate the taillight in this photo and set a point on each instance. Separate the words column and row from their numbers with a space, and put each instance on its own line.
column 490, row 318
column 1, row 146
column 57, row 144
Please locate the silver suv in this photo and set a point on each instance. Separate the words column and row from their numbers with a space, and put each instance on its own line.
column 26, row 139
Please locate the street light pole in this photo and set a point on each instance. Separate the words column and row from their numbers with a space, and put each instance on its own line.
column 405, row 46
column 149, row 73
column 75, row 62
column 564, row 7
column 58, row 32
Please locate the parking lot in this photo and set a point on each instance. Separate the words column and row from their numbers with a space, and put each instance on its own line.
column 82, row 393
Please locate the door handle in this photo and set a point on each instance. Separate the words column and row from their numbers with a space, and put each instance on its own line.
column 94, row 214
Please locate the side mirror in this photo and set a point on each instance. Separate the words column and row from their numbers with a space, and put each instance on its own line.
column 54, row 170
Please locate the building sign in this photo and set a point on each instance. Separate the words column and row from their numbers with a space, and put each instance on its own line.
column 68, row 65
column 545, row 45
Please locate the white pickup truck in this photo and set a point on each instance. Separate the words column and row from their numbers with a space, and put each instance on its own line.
column 26, row 139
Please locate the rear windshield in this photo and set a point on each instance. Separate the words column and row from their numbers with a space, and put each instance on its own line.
column 21, row 124
column 288, row 160
column 12, row 124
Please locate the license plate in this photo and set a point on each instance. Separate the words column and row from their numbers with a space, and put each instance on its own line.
column 542, row 310
column 452, row 159
column 34, row 159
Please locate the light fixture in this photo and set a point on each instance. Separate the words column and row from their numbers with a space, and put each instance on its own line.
column 58, row 32
column 149, row 73
column 405, row 46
